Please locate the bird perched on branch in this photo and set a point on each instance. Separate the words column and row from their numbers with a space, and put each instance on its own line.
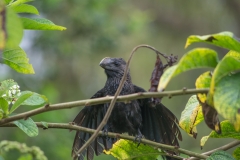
column 138, row 117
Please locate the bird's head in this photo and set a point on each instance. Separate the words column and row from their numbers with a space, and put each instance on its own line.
column 114, row 67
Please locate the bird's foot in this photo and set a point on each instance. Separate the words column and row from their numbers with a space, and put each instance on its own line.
column 105, row 132
column 139, row 137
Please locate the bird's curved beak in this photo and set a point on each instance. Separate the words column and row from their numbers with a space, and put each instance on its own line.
column 105, row 62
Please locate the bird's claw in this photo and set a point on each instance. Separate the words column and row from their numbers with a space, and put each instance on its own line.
column 105, row 132
column 138, row 139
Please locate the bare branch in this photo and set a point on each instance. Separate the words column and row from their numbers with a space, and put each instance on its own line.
column 88, row 102
column 223, row 148
column 116, row 135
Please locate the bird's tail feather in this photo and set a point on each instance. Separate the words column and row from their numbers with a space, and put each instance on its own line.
column 160, row 125
column 88, row 118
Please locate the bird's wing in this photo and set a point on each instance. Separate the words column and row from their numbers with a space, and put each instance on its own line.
column 91, row 117
column 158, row 123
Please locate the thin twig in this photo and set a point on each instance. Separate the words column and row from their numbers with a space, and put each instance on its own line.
column 114, row 135
column 223, row 148
column 88, row 102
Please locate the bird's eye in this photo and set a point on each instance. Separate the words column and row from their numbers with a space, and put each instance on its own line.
column 116, row 64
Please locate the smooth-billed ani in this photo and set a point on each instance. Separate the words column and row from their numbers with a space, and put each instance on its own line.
column 137, row 117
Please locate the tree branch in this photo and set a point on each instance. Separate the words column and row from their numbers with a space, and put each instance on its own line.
column 224, row 148
column 115, row 135
column 88, row 102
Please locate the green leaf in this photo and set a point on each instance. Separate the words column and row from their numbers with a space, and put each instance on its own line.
column 233, row 54
column 25, row 8
column 23, row 97
column 45, row 124
column 35, row 99
column 25, row 157
column 125, row 149
column 28, row 126
column 18, row 2
column 17, row 60
column 222, row 39
column 236, row 153
column 226, row 98
column 225, row 88
column 203, row 81
column 7, row 1
column 225, row 67
column 4, row 106
column 228, row 131
column 14, row 29
column 220, row 155
column 40, row 24
column 191, row 116
column 196, row 58
column 208, row 112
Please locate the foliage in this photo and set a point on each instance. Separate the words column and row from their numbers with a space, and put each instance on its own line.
column 223, row 82
column 220, row 155
column 223, row 97
column 12, row 98
column 191, row 116
column 224, row 85
column 27, row 153
column 125, row 149
column 11, row 33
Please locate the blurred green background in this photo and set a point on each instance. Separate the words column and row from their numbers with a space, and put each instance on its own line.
column 67, row 63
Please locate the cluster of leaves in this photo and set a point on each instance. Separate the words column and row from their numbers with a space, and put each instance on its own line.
column 223, row 82
column 12, row 26
column 27, row 153
column 11, row 32
column 130, row 151
column 11, row 98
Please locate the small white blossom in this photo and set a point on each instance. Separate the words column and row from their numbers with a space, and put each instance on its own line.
column 13, row 102
column 4, row 95
column 9, row 93
column 14, row 92
column 15, row 86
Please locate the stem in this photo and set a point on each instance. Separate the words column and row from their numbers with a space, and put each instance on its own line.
column 88, row 102
column 224, row 148
column 114, row 135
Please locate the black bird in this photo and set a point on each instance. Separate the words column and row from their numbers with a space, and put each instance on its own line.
column 138, row 118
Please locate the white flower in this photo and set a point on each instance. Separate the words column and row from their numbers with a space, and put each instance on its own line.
column 9, row 93
column 15, row 86
column 14, row 92
column 4, row 95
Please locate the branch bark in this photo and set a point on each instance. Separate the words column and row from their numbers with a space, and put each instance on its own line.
column 224, row 148
column 115, row 135
column 88, row 102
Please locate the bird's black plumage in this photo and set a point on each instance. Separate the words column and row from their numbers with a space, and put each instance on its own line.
column 136, row 118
